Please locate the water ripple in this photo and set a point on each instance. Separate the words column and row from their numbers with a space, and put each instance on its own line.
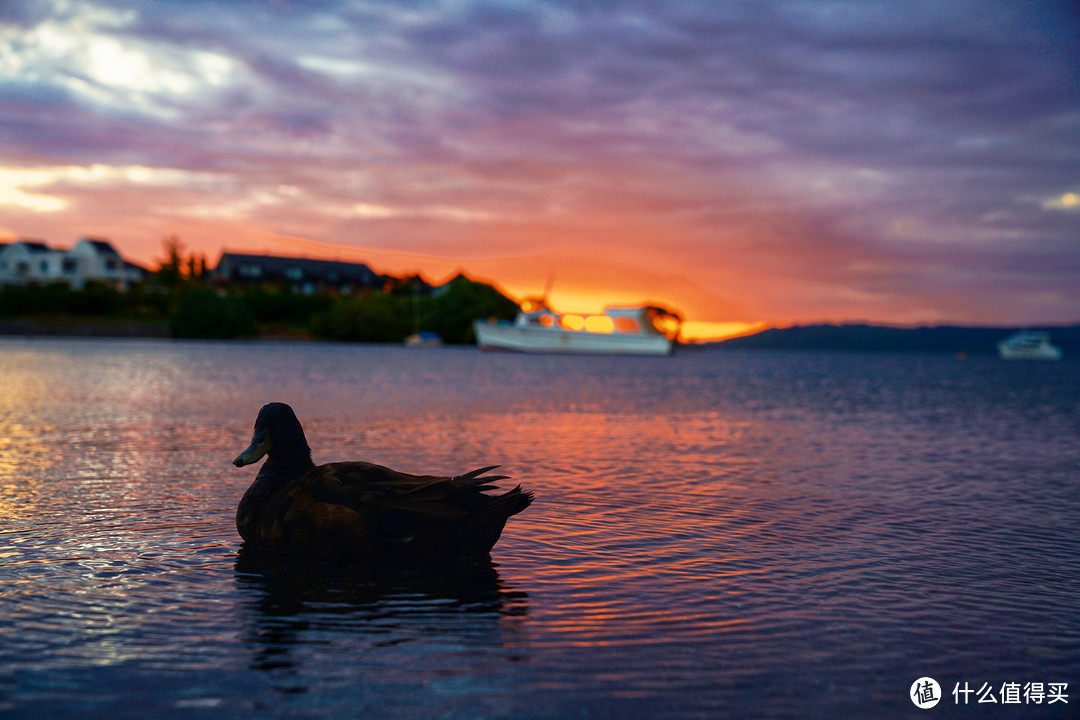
column 714, row 535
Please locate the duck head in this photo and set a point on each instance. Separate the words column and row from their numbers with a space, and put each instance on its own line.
column 277, row 433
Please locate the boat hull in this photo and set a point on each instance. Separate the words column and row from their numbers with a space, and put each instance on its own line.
column 513, row 338
column 1041, row 353
column 1029, row 346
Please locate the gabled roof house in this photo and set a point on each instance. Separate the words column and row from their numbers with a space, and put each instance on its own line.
column 32, row 261
column 303, row 275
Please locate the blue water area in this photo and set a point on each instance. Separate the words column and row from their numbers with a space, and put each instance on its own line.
column 715, row 535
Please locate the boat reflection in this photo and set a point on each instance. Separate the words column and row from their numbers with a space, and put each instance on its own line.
column 364, row 610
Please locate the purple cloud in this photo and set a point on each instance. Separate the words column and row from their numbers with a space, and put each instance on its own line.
column 926, row 149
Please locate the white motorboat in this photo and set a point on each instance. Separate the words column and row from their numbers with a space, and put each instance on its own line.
column 1029, row 345
column 616, row 331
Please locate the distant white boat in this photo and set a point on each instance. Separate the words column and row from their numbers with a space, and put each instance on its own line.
column 616, row 331
column 1029, row 345
column 423, row 339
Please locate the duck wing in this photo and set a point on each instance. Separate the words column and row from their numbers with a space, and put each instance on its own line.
column 357, row 508
column 374, row 490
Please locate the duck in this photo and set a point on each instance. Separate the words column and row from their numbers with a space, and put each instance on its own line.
column 360, row 509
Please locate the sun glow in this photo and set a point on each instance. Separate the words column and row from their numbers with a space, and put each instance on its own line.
column 705, row 331
column 668, row 325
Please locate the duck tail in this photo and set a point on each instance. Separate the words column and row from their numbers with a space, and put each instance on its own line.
column 474, row 481
column 501, row 507
column 485, row 525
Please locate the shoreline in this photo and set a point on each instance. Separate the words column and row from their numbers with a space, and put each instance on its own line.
column 55, row 327
column 965, row 341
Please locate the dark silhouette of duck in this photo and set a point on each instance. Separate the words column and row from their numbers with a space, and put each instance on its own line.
column 362, row 510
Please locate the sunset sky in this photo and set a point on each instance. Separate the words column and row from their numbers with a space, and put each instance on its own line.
column 767, row 161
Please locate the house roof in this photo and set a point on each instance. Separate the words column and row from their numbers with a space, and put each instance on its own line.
column 276, row 266
column 102, row 246
column 35, row 245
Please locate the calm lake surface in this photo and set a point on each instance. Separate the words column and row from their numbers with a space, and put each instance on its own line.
column 715, row 535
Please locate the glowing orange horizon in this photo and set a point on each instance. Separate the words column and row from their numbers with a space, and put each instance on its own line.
column 524, row 278
column 578, row 286
column 722, row 279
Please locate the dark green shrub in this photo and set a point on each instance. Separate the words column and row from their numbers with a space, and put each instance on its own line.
column 285, row 307
column 452, row 312
column 203, row 314
column 98, row 299
column 373, row 318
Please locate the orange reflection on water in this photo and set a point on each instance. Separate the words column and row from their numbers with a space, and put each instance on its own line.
column 24, row 447
column 627, row 501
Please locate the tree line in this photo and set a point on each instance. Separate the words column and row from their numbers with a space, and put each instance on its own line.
column 181, row 296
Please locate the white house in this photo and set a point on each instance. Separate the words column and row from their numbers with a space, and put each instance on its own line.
column 28, row 261
column 93, row 259
column 31, row 261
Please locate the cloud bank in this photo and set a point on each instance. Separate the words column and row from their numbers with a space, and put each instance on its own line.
column 778, row 160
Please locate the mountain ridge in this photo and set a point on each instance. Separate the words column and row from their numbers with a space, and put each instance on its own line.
column 862, row 337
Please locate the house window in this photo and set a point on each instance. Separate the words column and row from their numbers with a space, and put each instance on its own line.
column 70, row 265
column 250, row 271
column 294, row 273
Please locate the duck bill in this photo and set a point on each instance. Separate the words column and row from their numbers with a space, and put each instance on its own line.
column 260, row 445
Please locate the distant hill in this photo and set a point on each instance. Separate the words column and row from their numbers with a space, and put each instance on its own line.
column 944, row 339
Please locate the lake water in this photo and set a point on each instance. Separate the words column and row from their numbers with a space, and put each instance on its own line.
column 715, row 535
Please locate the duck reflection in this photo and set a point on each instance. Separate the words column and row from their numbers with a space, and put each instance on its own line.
column 295, row 605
